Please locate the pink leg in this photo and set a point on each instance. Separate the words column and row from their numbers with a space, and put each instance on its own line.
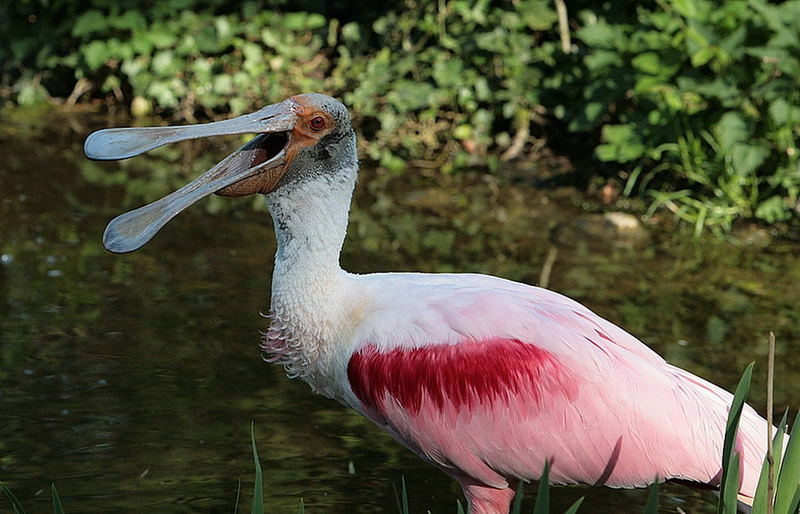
column 482, row 499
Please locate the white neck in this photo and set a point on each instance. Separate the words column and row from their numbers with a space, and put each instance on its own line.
column 310, row 220
column 310, row 225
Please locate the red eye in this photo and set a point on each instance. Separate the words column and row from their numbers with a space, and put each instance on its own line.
column 317, row 123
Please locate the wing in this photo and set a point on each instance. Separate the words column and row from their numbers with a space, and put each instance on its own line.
column 489, row 379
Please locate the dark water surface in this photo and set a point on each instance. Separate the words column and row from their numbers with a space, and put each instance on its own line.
column 130, row 381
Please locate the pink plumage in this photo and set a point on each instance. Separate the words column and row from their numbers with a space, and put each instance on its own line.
column 485, row 378
column 496, row 378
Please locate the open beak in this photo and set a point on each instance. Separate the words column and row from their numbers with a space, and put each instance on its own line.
column 256, row 167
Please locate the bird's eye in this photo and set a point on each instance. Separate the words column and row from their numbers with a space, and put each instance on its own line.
column 317, row 123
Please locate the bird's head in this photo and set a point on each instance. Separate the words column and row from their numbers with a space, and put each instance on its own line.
column 298, row 138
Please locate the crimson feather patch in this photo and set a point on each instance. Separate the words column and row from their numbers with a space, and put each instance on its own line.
column 463, row 375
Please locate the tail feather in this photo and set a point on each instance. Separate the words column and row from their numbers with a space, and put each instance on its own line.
column 751, row 439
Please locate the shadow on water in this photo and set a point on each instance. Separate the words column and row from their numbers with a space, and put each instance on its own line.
column 130, row 381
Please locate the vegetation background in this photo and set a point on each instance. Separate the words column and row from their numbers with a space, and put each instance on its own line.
column 688, row 107
column 692, row 104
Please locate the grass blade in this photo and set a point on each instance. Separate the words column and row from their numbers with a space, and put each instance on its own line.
column 516, row 508
column 788, row 481
column 794, row 505
column 18, row 509
column 460, row 509
column 302, row 509
column 729, row 486
column 651, row 507
column 403, row 495
column 729, row 489
column 238, row 495
column 57, row 508
column 542, row 505
column 402, row 500
column 258, row 485
column 762, row 496
column 575, row 506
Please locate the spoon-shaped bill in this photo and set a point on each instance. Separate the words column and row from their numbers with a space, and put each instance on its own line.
column 130, row 231
column 121, row 143
column 255, row 167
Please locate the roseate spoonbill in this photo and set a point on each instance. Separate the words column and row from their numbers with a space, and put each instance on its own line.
column 485, row 378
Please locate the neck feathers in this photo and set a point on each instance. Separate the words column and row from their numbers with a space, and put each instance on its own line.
column 310, row 218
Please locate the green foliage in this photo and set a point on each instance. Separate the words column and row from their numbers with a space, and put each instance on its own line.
column 19, row 509
column 787, row 493
column 703, row 94
column 542, row 505
column 402, row 500
column 516, row 506
column 57, row 508
column 786, row 467
column 651, row 507
column 729, row 485
column 15, row 504
column 761, row 498
column 695, row 104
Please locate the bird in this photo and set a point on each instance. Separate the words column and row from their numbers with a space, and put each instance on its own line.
column 486, row 379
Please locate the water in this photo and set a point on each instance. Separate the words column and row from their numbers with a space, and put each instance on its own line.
column 131, row 381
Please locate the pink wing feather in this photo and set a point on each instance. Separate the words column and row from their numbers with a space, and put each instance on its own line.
column 488, row 379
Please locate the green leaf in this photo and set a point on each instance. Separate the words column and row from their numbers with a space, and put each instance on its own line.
column 164, row 62
column 651, row 507
column 773, row 209
column 130, row 20
column 258, row 480
column 516, row 507
column 542, row 505
column 599, row 34
column 648, row 62
column 729, row 490
column 409, row 95
column 89, row 22
column 760, row 499
column 537, row 15
column 161, row 35
column 303, row 21
column 463, row 132
column 95, row 54
column 686, row 8
column 57, row 508
column 783, row 113
column 351, row 32
column 575, row 506
column 403, row 496
column 622, row 143
column 729, row 485
column 15, row 504
column 703, row 55
column 747, row 158
column 731, row 129
column 787, row 493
